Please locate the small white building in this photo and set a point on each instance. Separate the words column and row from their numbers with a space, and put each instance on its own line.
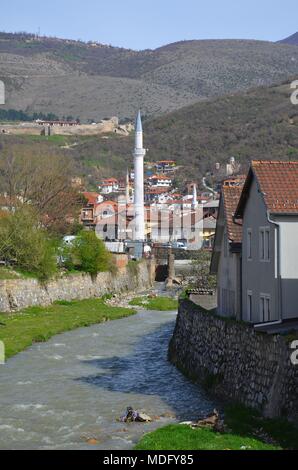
column 108, row 186
column 160, row 181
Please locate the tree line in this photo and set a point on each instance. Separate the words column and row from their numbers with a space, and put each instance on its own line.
column 18, row 115
column 38, row 206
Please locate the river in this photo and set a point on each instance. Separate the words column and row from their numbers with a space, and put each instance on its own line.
column 61, row 394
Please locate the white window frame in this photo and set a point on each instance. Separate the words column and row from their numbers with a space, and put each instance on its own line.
column 249, row 305
column 265, row 314
column 264, row 244
column 267, row 243
column 249, row 244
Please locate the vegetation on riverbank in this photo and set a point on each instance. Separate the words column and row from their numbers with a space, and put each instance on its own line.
column 29, row 250
column 247, row 430
column 38, row 324
column 155, row 303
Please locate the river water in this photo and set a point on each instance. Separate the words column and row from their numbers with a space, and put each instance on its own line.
column 61, row 394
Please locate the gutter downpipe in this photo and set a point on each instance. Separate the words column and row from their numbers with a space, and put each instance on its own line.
column 277, row 225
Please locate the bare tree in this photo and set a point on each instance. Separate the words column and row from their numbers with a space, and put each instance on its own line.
column 41, row 179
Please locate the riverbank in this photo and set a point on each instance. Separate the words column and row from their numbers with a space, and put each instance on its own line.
column 161, row 304
column 247, row 430
column 20, row 330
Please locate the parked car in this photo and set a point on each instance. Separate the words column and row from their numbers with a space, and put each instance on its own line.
column 179, row 246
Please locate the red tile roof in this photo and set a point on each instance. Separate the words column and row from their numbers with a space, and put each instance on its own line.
column 91, row 197
column 109, row 180
column 278, row 182
column 157, row 191
column 231, row 196
column 159, row 177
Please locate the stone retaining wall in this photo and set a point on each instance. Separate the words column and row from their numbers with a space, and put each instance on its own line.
column 20, row 293
column 236, row 362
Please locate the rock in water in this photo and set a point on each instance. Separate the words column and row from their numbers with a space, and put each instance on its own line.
column 132, row 416
column 143, row 418
column 92, row 442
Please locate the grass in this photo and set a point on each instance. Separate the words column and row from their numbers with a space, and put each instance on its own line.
column 155, row 303
column 54, row 139
column 182, row 437
column 20, row 330
column 292, row 336
column 247, row 431
column 6, row 273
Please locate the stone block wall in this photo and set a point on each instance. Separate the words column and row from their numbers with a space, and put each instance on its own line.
column 21, row 293
column 236, row 362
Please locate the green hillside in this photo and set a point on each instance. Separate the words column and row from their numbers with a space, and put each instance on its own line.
column 261, row 123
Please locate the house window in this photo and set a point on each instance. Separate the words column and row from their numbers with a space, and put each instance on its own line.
column 249, row 243
column 265, row 308
column 249, row 305
column 267, row 244
column 264, row 243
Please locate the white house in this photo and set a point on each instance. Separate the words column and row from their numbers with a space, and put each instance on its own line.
column 108, row 186
column 159, row 181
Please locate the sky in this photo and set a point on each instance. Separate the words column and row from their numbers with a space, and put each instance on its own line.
column 148, row 24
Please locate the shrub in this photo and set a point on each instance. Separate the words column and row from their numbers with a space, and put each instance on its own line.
column 133, row 268
column 201, row 270
column 25, row 243
column 90, row 254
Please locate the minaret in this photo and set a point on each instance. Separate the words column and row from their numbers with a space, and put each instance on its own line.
column 194, row 197
column 139, row 154
column 127, row 188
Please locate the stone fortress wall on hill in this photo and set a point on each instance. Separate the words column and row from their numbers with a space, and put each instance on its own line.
column 106, row 126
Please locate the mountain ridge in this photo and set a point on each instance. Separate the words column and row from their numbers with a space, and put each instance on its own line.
column 93, row 81
column 291, row 40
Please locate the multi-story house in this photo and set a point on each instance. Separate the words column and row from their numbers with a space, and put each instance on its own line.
column 268, row 207
column 87, row 216
column 259, row 284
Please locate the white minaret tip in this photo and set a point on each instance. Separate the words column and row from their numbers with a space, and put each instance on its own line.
column 139, row 127
column 195, row 197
